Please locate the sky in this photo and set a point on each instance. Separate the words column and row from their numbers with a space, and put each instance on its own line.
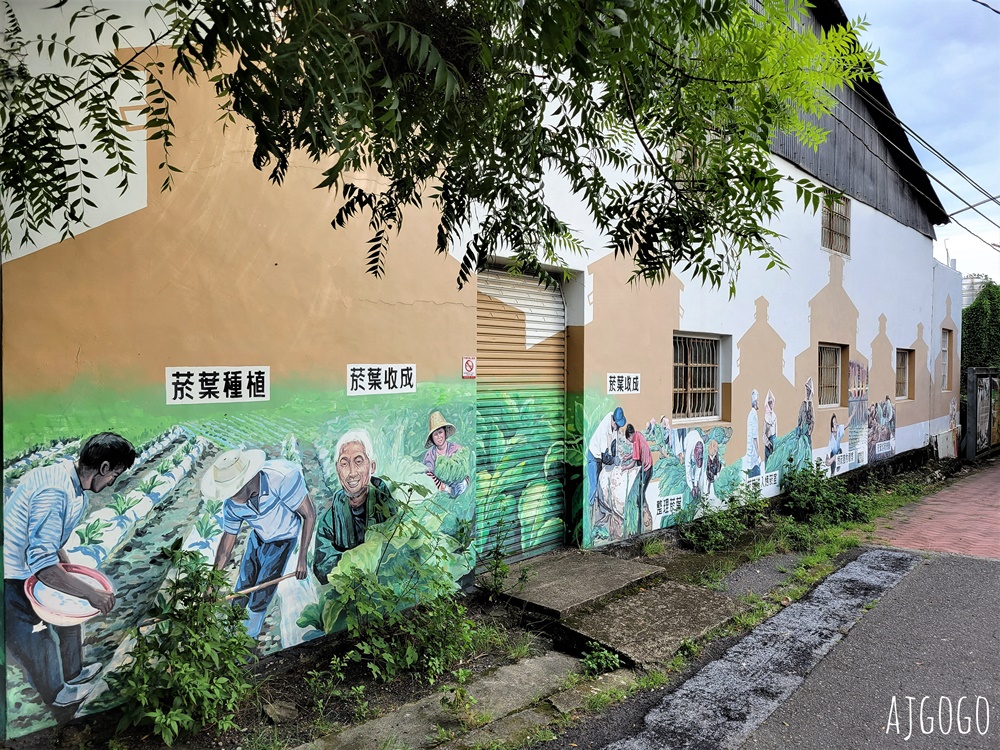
column 942, row 77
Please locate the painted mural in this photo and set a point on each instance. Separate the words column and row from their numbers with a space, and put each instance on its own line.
column 983, row 413
column 294, row 501
column 664, row 473
column 521, row 458
column 995, row 411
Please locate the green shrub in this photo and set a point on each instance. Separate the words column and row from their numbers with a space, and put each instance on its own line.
column 394, row 637
column 187, row 669
column 724, row 529
column 814, row 497
column 599, row 660
column 712, row 532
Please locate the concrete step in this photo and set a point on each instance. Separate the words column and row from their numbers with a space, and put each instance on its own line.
column 648, row 626
column 563, row 582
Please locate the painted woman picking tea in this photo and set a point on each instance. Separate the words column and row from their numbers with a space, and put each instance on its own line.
column 447, row 462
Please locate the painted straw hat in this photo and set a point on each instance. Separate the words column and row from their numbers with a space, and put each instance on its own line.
column 437, row 422
column 230, row 471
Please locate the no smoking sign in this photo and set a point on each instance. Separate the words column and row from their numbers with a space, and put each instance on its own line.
column 469, row 368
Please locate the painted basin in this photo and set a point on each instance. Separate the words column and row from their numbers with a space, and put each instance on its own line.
column 59, row 608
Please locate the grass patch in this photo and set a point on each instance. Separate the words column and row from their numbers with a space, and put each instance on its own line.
column 653, row 548
column 600, row 701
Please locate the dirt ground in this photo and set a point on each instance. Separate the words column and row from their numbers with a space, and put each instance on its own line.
column 285, row 710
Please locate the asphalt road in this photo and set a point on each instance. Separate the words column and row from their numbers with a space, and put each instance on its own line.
column 935, row 635
column 934, row 631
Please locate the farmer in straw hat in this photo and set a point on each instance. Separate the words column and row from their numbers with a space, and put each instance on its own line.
column 271, row 498
column 437, row 444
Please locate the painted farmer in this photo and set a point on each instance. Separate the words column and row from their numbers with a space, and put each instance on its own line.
column 600, row 452
column 438, row 445
column 643, row 458
column 270, row 497
column 751, row 461
column 362, row 499
column 48, row 503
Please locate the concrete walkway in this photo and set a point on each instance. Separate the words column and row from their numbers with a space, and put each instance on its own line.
column 963, row 518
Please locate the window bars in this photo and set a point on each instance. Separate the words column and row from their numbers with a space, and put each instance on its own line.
column 829, row 376
column 696, row 377
column 837, row 226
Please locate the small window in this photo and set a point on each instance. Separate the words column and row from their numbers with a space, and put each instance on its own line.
column 945, row 359
column 696, row 377
column 837, row 225
column 829, row 375
column 904, row 373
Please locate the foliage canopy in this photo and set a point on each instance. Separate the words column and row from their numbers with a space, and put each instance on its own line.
column 981, row 330
column 651, row 119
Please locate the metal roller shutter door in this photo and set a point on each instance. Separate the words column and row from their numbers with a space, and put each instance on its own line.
column 520, row 414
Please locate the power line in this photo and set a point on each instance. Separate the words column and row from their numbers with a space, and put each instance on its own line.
column 916, row 136
column 903, row 178
column 980, row 2
column 911, row 158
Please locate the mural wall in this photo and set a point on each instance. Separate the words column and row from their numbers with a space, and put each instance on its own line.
column 646, row 469
column 343, row 488
column 292, row 482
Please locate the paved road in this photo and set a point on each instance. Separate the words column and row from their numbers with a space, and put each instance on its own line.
column 963, row 518
column 936, row 634
column 933, row 637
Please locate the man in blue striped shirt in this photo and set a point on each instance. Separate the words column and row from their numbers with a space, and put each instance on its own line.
column 47, row 504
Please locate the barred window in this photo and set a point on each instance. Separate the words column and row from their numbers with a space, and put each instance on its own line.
column 837, row 225
column 829, row 375
column 945, row 359
column 904, row 371
column 696, row 377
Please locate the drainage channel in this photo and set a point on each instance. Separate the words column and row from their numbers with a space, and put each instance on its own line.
column 728, row 699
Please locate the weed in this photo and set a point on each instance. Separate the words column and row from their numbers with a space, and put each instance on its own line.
column 494, row 562
column 761, row 548
column 459, row 701
column 599, row 660
column 723, row 529
column 870, row 605
column 187, row 669
column 600, row 701
column 651, row 680
column 812, row 496
column 676, row 664
column 325, row 686
column 442, row 735
column 689, row 648
column 653, row 548
column 264, row 741
column 571, row 680
column 361, row 710
column 520, row 647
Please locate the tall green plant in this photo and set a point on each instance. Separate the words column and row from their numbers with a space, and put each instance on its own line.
column 395, row 594
column 981, row 331
column 187, row 668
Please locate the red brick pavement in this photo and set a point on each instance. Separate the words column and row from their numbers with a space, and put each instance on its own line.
column 963, row 518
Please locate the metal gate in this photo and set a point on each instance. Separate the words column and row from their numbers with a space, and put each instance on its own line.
column 520, row 415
